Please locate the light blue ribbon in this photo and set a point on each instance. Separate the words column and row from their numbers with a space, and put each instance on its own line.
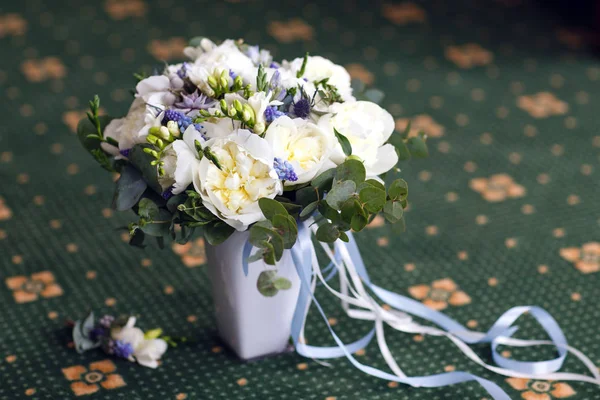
column 302, row 257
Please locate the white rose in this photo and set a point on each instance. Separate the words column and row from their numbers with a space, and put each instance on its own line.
column 319, row 68
column 180, row 160
column 305, row 145
column 367, row 126
column 247, row 175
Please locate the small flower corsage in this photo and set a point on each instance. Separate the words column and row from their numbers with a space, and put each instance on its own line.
column 121, row 338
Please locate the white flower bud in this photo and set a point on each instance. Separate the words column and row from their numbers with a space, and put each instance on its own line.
column 164, row 133
column 173, row 128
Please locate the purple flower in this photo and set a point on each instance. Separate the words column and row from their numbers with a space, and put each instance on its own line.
column 285, row 170
column 194, row 101
column 167, row 194
column 122, row 349
column 232, row 74
column 125, row 153
column 183, row 121
column 98, row 333
column 109, row 346
column 301, row 108
column 106, row 321
column 272, row 113
column 182, row 72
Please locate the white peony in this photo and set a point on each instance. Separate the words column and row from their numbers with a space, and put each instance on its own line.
column 180, row 160
column 305, row 145
column 319, row 68
column 156, row 91
column 133, row 128
column 219, row 127
column 146, row 352
column 367, row 126
column 247, row 175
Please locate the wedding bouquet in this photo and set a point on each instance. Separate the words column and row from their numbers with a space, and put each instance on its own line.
column 233, row 140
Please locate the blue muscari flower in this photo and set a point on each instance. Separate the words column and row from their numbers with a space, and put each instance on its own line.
column 98, row 333
column 122, row 349
column 167, row 194
column 285, row 170
column 274, row 65
column 232, row 74
column 301, row 108
column 272, row 113
column 183, row 121
column 182, row 72
column 125, row 153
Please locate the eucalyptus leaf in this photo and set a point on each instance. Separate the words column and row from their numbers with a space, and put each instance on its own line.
column 286, row 226
column 141, row 160
column 351, row 169
column 137, row 239
column 271, row 207
column 398, row 190
column 217, row 232
column 328, row 212
column 417, row 146
column 309, row 209
column 328, row 233
column 373, row 198
column 324, row 180
column 358, row 222
column 339, row 193
column 147, row 209
column 266, row 285
column 307, row 195
column 263, row 237
column 393, row 211
column 282, row 283
column 129, row 189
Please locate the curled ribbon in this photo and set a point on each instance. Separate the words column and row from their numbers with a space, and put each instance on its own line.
column 348, row 264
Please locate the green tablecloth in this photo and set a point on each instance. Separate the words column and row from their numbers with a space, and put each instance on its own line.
column 504, row 212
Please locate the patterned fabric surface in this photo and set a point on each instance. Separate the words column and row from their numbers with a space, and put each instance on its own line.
column 504, row 212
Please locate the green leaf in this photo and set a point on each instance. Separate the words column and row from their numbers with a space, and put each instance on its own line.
column 286, row 226
column 344, row 142
column 328, row 212
column 349, row 208
column 339, row 193
column 136, row 239
column 103, row 159
column 86, row 128
column 306, row 195
column 398, row 190
column 300, row 73
column 282, row 283
column 129, row 189
column 141, row 160
column 266, row 285
column 153, row 334
column 175, row 201
column 393, row 211
column 344, row 237
column 258, row 255
column 324, row 180
column 309, row 209
column 352, row 170
column 373, row 198
column 217, row 232
column 399, row 227
column 156, row 229
column 147, row 209
column 271, row 207
column 358, row 222
column 263, row 237
column 404, row 134
column 417, row 146
column 328, row 233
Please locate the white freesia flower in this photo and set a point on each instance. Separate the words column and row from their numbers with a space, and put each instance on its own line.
column 305, row 145
column 227, row 55
column 319, row 68
column 145, row 352
column 247, row 175
column 259, row 102
column 219, row 127
column 180, row 160
column 133, row 128
column 367, row 126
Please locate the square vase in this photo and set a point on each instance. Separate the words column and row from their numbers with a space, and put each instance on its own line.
column 251, row 324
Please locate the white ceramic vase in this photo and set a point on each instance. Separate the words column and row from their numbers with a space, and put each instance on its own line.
column 251, row 324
